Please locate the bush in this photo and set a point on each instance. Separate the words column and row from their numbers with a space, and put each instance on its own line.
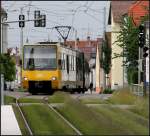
column 123, row 96
column 108, row 91
column 8, row 67
column 132, row 75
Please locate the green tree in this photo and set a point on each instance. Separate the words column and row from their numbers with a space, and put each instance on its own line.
column 128, row 41
column 106, row 58
column 7, row 67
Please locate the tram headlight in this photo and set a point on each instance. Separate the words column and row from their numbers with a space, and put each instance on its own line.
column 53, row 78
column 25, row 78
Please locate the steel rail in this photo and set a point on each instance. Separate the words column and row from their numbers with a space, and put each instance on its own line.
column 62, row 117
column 25, row 121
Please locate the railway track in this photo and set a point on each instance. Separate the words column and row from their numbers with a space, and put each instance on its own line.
column 25, row 121
column 62, row 117
column 45, row 98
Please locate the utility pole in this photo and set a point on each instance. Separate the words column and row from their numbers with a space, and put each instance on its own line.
column 3, row 18
column 123, row 66
column 75, row 39
column 104, row 76
column 139, row 69
column 21, row 45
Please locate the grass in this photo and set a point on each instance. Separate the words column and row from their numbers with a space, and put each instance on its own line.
column 141, row 107
column 122, row 96
column 132, row 123
column 93, row 101
column 43, row 121
column 91, row 122
column 20, row 120
column 58, row 97
column 30, row 100
column 9, row 99
column 20, row 89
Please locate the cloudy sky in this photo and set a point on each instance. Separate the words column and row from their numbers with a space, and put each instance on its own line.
column 87, row 17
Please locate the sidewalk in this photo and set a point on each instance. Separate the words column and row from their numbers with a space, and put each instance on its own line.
column 9, row 124
column 89, row 92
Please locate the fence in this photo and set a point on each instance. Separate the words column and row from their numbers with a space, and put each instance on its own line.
column 137, row 89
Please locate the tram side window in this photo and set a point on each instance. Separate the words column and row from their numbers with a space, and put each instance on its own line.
column 77, row 65
column 73, row 63
column 63, row 61
column 70, row 62
column 67, row 63
column 59, row 63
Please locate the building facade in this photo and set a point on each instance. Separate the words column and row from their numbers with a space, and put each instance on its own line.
column 89, row 48
column 118, row 9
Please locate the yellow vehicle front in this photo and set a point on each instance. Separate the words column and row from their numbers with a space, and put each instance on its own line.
column 39, row 71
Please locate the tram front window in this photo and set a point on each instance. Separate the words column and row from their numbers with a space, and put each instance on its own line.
column 40, row 58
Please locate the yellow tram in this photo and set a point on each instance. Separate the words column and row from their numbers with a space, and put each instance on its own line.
column 52, row 66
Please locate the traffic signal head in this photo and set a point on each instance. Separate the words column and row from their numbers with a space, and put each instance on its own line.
column 43, row 21
column 141, row 36
column 36, row 17
column 145, row 54
column 21, row 20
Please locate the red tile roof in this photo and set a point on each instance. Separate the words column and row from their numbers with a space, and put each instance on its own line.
column 120, row 8
column 87, row 46
column 138, row 10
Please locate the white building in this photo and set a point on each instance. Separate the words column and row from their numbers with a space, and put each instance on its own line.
column 118, row 9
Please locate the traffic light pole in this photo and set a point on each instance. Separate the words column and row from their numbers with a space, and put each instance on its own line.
column 139, row 71
column 2, row 75
column 21, row 45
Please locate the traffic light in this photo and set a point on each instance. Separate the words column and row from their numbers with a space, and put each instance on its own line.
column 145, row 54
column 21, row 20
column 36, row 17
column 43, row 20
column 141, row 36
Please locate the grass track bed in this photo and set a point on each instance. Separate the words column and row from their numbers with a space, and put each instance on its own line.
column 58, row 97
column 132, row 123
column 93, row 101
column 20, row 120
column 43, row 121
column 90, row 122
column 9, row 100
column 30, row 100
column 103, row 121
